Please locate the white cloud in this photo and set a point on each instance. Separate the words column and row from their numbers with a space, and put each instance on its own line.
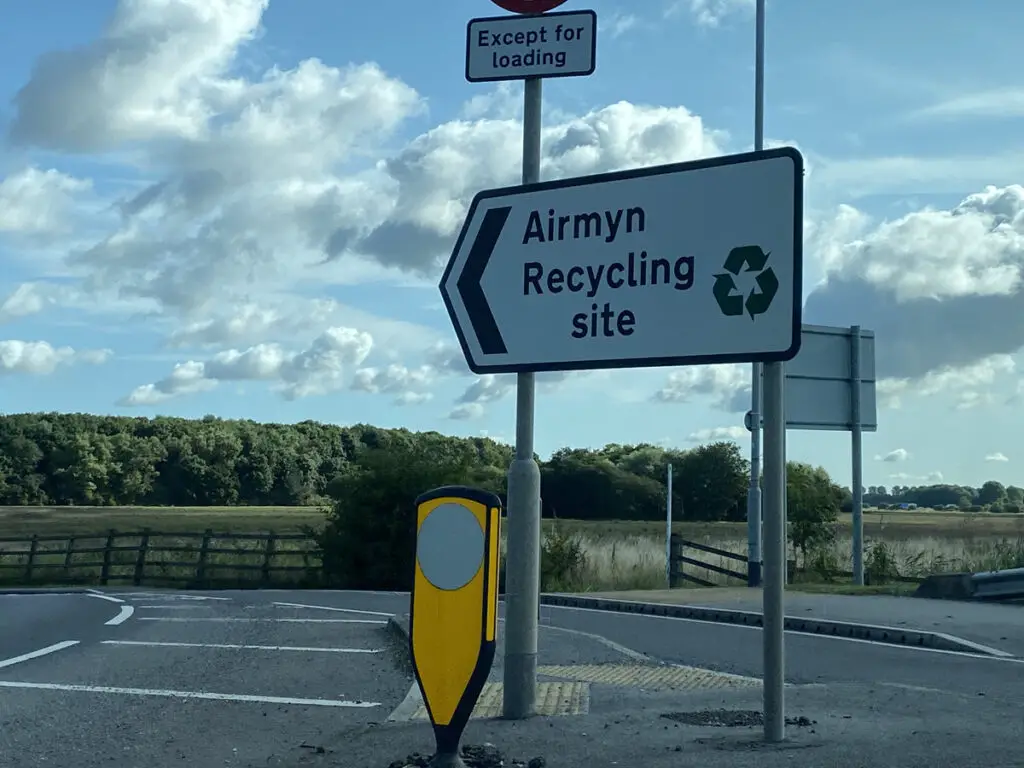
column 718, row 433
column 711, row 13
column 728, row 385
column 256, row 191
column 186, row 379
column 942, row 289
column 616, row 24
column 321, row 368
column 34, row 201
column 996, row 457
column 466, row 411
column 28, row 299
column 488, row 388
column 964, row 384
column 41, row 358
column 927, row 479
column 900, row 454
column 405, row 384
column 998, row 102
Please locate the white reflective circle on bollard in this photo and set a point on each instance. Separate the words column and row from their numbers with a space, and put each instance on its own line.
column 450, row 546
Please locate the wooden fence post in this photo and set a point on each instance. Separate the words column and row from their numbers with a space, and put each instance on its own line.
column 204, row 553
column 268, row 556
column 68, row 553
column 140, row 560
column 108, row 553
column 33, row 548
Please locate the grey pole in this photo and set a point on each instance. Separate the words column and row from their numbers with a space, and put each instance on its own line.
column 857, row 480
column 522, row 564
column 754, row 492
column 668, row 532
column 774, row 493
column 774, row 552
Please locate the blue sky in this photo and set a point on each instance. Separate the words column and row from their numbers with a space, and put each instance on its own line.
column 212, row 206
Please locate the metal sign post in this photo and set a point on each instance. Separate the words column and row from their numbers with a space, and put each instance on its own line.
column 857, row 450
column 668, row 532
column 529, row 47
column 773, row 500
column 630, row 269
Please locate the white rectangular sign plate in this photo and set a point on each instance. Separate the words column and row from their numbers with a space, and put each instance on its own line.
column 517, row 47
column 682, row 264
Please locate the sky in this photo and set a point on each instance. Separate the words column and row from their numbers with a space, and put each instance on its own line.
column 242, row 208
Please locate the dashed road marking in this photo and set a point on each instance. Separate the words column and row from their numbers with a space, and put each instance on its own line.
column 36, row 654
column 202, row 695
column 233, row 647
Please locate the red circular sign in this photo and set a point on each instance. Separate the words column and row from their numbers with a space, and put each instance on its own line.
column 528, row 6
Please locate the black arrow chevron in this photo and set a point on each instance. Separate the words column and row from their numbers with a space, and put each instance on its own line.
column 472, row 293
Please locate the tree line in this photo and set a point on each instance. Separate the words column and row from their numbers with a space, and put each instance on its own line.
column 58, row 459
column 992, row 495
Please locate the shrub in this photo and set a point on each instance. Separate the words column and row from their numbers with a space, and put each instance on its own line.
column 369, row 541
column 562, row 561
column 880, row 565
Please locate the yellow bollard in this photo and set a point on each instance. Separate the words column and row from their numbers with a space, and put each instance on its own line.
column 454, row 614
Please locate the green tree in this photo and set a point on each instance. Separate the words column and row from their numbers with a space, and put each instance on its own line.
column 991, row 492
column 712, row 481
column 813, row 502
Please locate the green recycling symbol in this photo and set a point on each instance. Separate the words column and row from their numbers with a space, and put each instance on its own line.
column 760, row 298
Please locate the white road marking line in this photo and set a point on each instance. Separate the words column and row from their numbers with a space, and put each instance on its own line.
column 193, row 695
column 36, row 654
column 915, row 648
column 173, row 607
column 168, row 596
column 101, row 596
column 229, row 646
column 627, row 652
column 331, row 608
column 283, row 621
column 125, row 614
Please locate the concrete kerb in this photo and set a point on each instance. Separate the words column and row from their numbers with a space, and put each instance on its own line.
column 44, row 591
column 873, row 633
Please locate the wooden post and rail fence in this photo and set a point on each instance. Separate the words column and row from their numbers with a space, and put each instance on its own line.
column 210, row 560
column 196, row 560
column 729, row 564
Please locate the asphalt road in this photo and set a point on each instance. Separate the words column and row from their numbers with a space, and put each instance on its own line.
column 264, row 678
column 229, row 680
column 31, row 622
column 996, row 625
column 809, row 658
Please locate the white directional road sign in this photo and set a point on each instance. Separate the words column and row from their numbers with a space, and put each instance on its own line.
column 517, row 47
column 679, row 264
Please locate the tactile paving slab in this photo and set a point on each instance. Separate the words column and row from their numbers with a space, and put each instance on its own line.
column 649, row 676
column 554, row 699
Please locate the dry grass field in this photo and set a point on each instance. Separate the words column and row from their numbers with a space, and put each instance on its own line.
column 616, row 555
column 631, row 555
